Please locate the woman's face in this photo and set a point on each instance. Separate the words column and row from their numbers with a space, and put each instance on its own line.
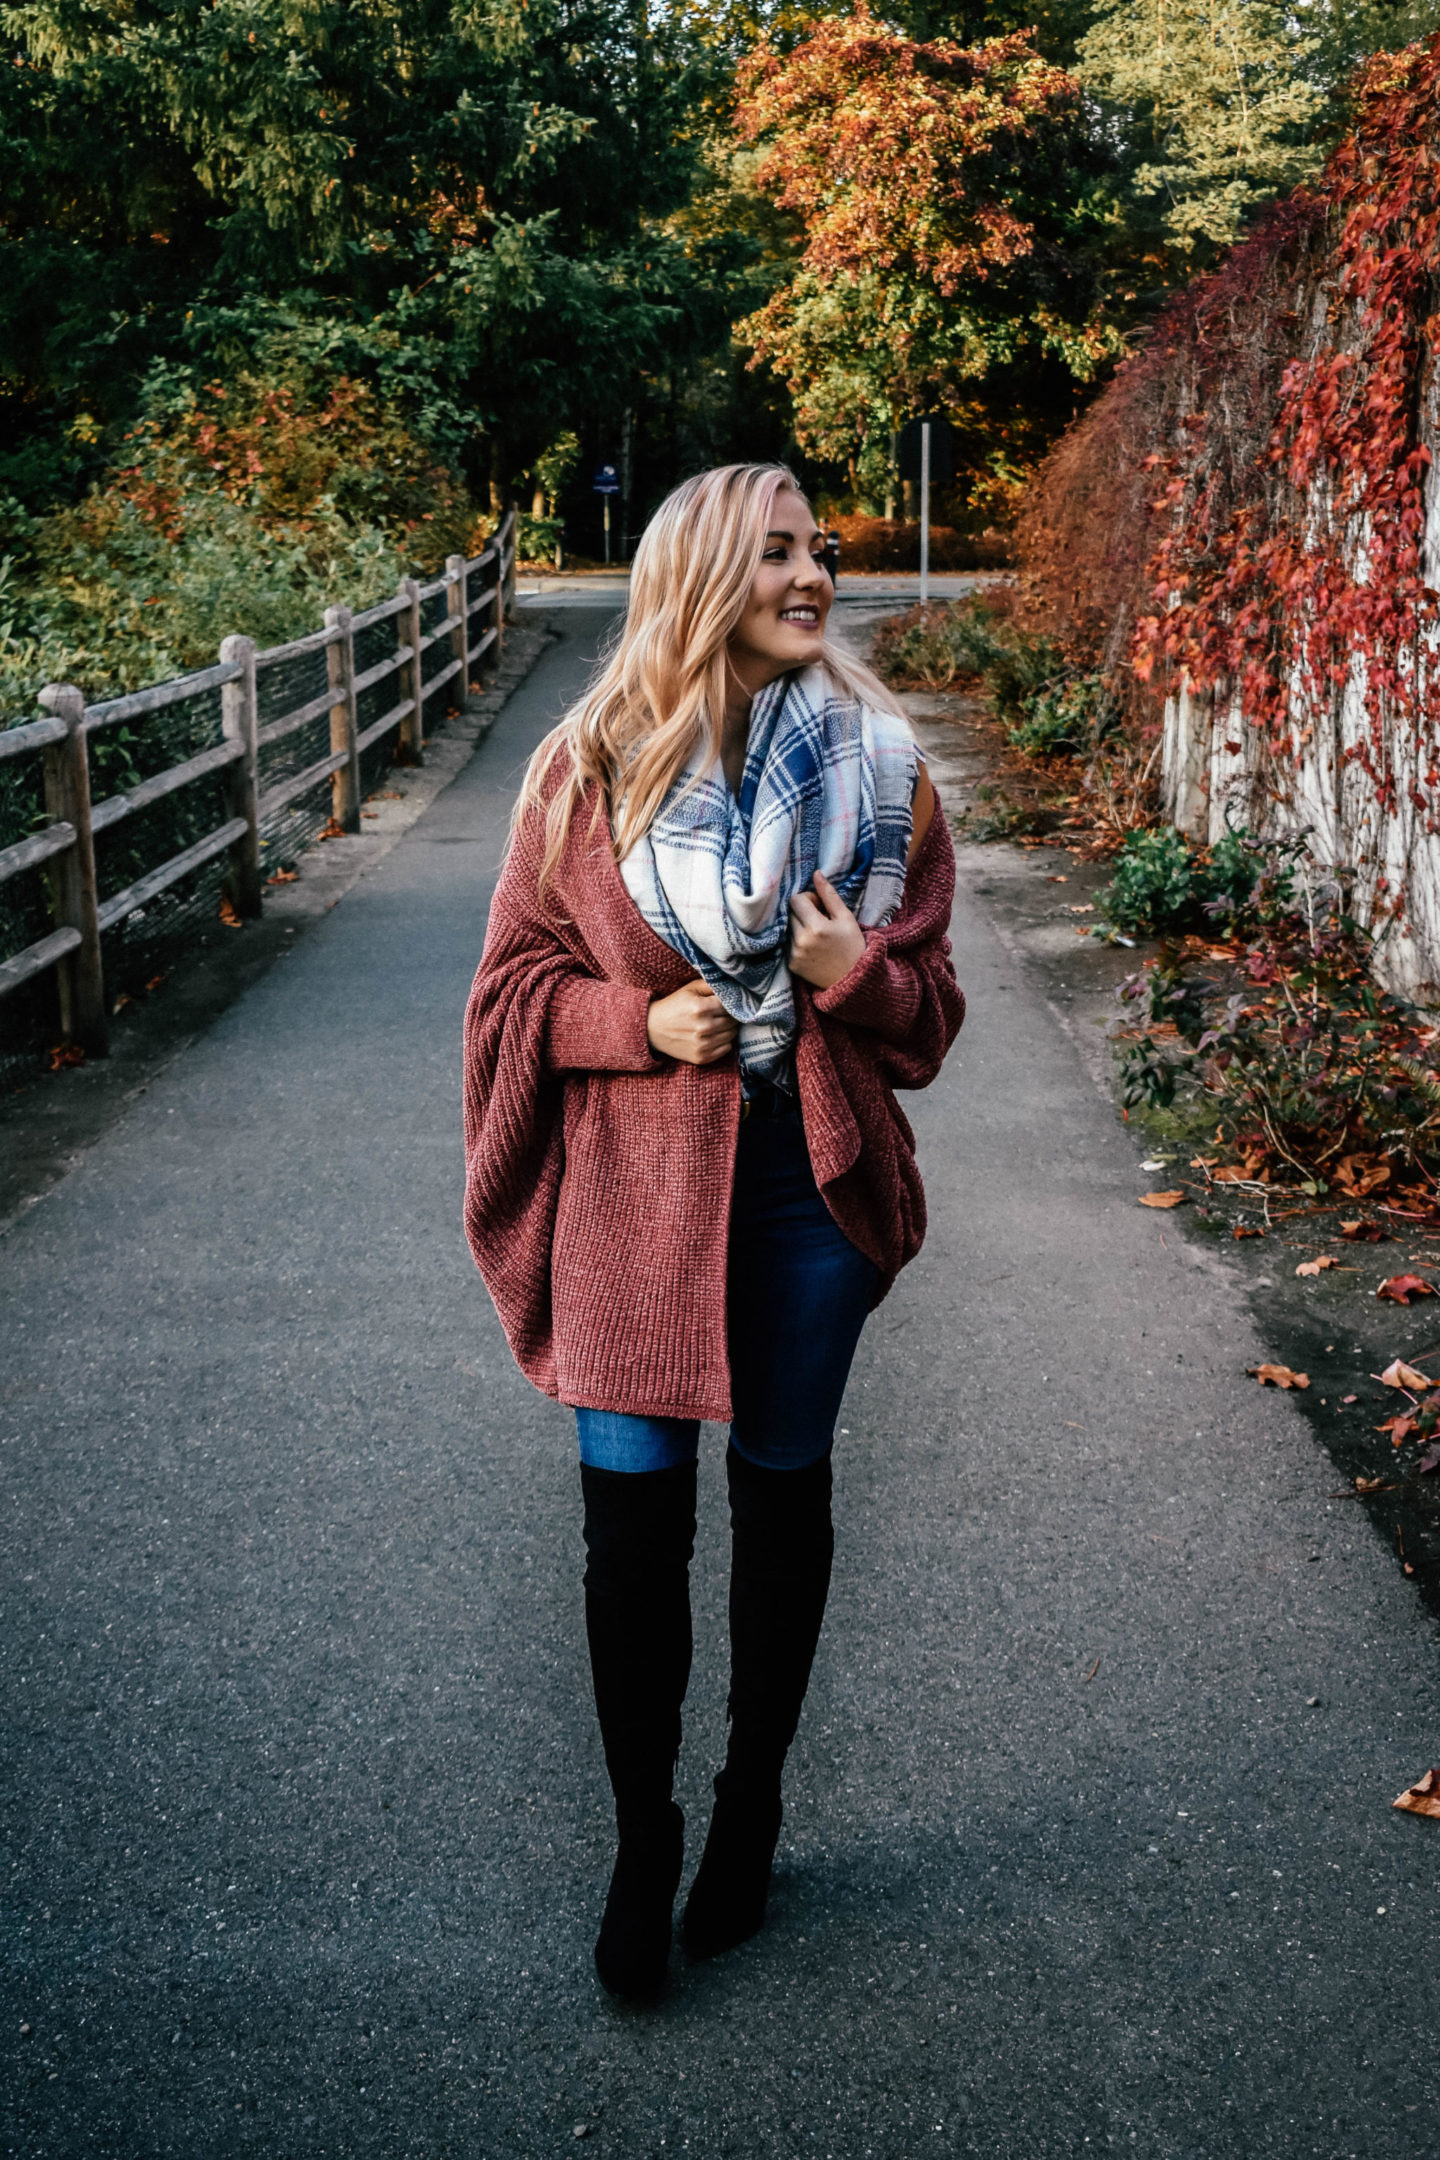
column 783, row 626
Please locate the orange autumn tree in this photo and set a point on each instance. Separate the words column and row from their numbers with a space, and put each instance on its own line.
column 940, row 243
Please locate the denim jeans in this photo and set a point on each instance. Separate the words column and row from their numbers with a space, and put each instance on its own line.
column 798, row 1296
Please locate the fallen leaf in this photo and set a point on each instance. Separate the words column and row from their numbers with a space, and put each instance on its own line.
column 1372, row 1484
column 1399, row 1428
column 1349, row 1398
column 282, row 877
column 1278, row 1376
column 1232, row 1174
column 1430, row 1461
column 1245, row 1230
column 1401, row 1288
column 1363, row 1233
column 1161, row 1199
column 1398, row 1374
column 228, row 915
column 1317, row 1267
column 156, row 980
column 1088, row 908
column 369, row 813
column 1052, row 879
column 66, row 1054
column 1422, row 1798
column 1358, row 1175
column 332, row 830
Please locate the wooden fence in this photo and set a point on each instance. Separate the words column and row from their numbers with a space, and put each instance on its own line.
column 478, row 593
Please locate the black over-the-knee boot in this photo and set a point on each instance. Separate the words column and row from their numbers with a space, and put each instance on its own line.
column 781, row 1548
column 639, row 1535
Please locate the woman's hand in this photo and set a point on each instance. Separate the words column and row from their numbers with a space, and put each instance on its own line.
column 825, row 939
column 692, row 1025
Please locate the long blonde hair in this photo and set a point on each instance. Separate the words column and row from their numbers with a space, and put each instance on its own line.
column 660, row 696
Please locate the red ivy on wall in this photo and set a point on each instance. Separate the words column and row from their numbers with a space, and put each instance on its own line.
column 1314, row 563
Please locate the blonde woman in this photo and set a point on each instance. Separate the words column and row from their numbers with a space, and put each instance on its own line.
column 716, row 948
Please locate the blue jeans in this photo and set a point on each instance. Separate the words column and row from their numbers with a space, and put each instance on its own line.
column 798, row 1296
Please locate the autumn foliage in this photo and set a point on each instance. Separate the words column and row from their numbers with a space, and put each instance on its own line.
column 1316, row 563
column 939, row 243
column 1244, row 509
column 287, row 455
column 893, row 152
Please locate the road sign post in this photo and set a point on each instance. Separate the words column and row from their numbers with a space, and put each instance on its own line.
column 924, row 513
column 607, row 483
column 926, row 454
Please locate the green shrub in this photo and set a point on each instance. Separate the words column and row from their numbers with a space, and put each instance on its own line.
column 995, row 817
column 1154, row 887
column 960, row 638
column 1069, row 717
column 113, row 601
column 938, row 646
column 538, row 538
column 1163, row 883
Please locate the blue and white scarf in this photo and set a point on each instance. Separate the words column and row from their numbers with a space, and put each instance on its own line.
column 828, row 785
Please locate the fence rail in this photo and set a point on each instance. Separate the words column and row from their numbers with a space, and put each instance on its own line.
column 476, row 592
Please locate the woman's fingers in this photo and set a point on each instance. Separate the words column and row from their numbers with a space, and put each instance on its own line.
column 806, row 912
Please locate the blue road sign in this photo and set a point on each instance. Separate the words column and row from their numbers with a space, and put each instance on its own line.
column 607, row 481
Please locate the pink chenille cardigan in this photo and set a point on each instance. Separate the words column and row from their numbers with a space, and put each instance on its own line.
column 598, row 1173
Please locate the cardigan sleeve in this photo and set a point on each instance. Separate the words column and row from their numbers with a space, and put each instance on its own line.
column 594, row 1026
column 880, row 993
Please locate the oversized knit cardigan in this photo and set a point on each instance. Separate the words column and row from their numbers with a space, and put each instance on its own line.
column 598, row 1173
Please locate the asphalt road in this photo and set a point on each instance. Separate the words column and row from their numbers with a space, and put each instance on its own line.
column 304, row 1807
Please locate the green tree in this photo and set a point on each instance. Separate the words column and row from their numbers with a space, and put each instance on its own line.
column 464, row 198
column 1217, row 98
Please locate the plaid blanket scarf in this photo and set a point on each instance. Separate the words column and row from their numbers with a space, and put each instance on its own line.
column 828, row 785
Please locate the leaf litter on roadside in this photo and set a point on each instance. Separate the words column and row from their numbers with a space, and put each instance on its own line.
column 1278, row 1376
column 1401, row 1288
column 1398, row 1374
column 1423, row 1797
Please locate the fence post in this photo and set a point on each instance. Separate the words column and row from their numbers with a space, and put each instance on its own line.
column 507, row 583
column 340, row 663
column 73, row 891
column 457, row 600
column 412, row 727
column 240, row 721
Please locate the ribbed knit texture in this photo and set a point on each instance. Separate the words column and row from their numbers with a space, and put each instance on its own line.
column 598, row 1175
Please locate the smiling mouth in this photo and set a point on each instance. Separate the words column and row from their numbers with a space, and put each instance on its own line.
column 806, row 615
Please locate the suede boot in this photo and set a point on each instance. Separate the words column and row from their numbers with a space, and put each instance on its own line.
column 782, row 1543
column 639, row 1535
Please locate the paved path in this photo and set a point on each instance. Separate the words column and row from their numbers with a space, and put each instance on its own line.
column 304, row 1806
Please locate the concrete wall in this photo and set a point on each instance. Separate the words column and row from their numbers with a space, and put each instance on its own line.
column 1215, row 768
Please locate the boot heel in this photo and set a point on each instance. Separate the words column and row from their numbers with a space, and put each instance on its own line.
column 632, row 1951
column 726, row 1905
